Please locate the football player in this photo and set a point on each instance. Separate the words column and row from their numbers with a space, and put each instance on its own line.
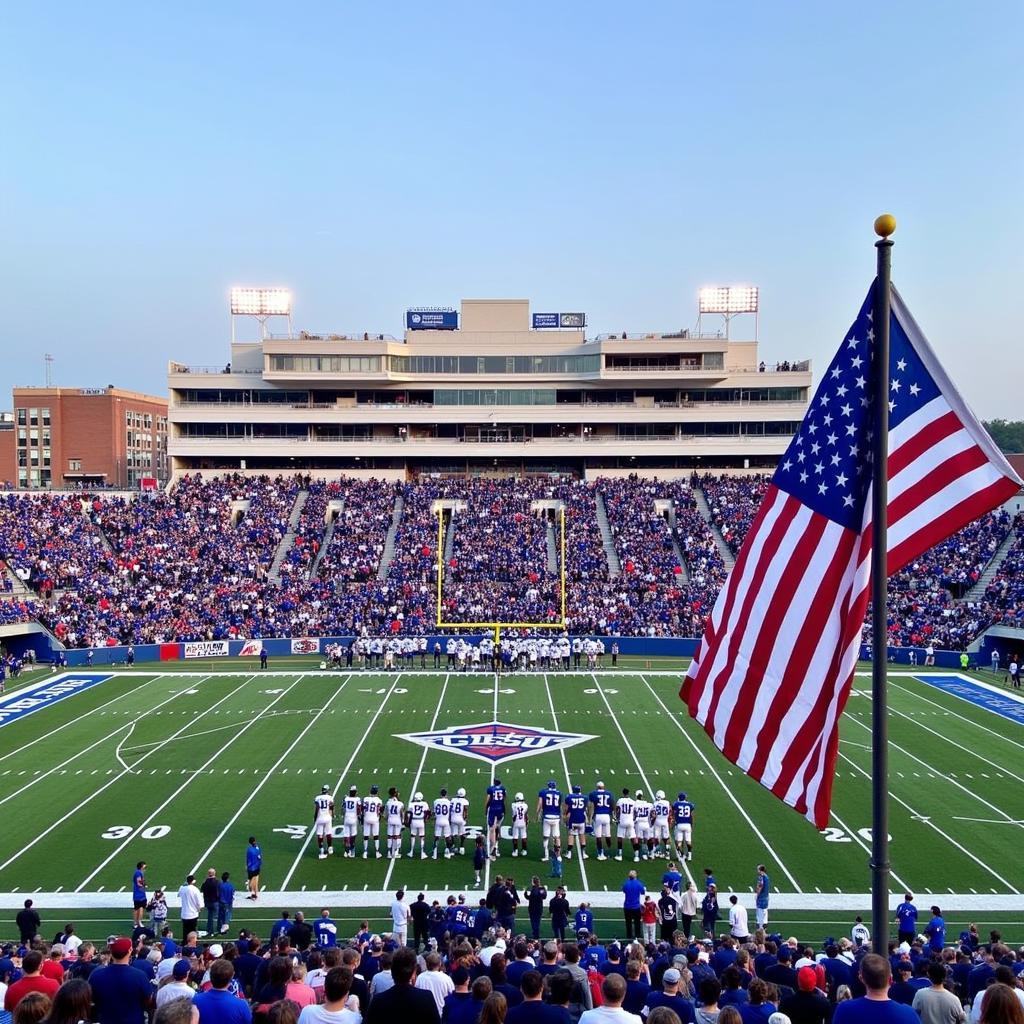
column 371, row 822
column 625, row 810
column 443, row 824
column 549, row 811
column 460, row 812
column 520, row 819
column 323, row 821
column 601, row 819
column 417, row 816
column 661, row 811
column 395, row 813
column 682, row 813
column 350, row 822
column 642, row 819
column 494, row 806
column 576, row 821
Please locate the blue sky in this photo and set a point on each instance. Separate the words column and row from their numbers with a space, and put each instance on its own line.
column 608, row 158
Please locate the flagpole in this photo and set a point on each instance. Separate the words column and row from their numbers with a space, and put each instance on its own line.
column 884, row 227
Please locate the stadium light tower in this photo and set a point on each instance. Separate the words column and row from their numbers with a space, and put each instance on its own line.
column 728, row 301
column 261, row 304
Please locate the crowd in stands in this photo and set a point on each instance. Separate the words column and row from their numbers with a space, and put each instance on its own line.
column 195, row 563
column 474, row 963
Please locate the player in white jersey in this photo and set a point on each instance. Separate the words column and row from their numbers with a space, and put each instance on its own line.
column 372, row 805
column 417, row 814
column 443, row 824
column 661, row 811
column 394, row 809
column 642, row 818
column 520, row 819
column 323, row 822
column 351, row 806
column 625, row 811
column 460, row 812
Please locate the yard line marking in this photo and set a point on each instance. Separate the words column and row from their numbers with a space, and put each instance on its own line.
column 497, row 831
column 568, row 782
column 990, row 821
column 856, row 837
column 79, row 718
column 188, row 781
column 963, row 718
column 270, row 772
column 639, row 767
column 948, row 778
column 116, row 778
column 927, row 821
column 769, row 847
column 39, row 776
column 341, row 777
column 416, row 781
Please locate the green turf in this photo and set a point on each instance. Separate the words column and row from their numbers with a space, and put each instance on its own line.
column 199, row 762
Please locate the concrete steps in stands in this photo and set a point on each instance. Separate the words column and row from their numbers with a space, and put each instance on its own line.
column 389, row 542
column 552, row 545
column 289, row 538
column 449, row 535
column 977, row 592
column 705, row 510
column 614, row 566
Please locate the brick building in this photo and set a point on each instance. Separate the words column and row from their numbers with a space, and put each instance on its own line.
column 63, row 437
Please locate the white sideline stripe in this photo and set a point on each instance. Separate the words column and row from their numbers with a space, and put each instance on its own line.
column 65, row 761
column 371, row 899
column 344, row 772
column 925, row 764
column 926, row 820
column 95, row 793
column 415, row 782
column 177, row 792
column 639, row 768
column 611, row 673
column 100, row 707
column 568, row 782
column 269, row 774
column 770, row 848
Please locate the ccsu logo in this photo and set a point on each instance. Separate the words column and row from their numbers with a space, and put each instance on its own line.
column 495, row 742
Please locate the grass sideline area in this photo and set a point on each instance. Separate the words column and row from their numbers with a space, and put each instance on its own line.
column 178, row 763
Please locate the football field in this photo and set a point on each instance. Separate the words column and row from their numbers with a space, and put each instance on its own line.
column 178, row 768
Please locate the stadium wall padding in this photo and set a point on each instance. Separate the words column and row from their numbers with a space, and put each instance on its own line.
column 637, row 646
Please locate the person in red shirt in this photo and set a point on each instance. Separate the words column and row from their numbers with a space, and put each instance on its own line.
column 53, row 968
column 32, row 981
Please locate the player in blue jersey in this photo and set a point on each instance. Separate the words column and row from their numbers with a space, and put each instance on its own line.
column 325, row 930
column 549, row 810
column 576, row 821
column 682, row 814
column 600, row 801
column 494, row 806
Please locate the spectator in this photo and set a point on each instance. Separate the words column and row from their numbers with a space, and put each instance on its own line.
column 807, row 1005
column 176, row 1011
column 613, row 992
column 177, row 985
column 1001, row 1006
column 335, row 1008
column 72, row 1004
column 936, row 1004
column 532, row 1009
column 191, row 901
column 121, row 994
column 494, row 1009
column 403, row 1002
column 875, row 1007
column 435, row 981
column 32, row 980
column 31, row 1009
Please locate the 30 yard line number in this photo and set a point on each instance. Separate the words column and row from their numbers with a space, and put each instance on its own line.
column 123, row 831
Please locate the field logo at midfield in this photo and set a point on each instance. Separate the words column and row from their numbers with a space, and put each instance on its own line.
column 495, row 742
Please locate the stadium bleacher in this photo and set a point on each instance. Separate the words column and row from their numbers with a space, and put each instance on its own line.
column 195, row 563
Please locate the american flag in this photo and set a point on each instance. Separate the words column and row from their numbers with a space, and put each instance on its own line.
column 773, row 671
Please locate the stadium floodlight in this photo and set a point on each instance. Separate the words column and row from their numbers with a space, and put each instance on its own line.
column 261, row 302
column 729, row 299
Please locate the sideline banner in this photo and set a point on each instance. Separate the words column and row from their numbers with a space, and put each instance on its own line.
column 207, row 649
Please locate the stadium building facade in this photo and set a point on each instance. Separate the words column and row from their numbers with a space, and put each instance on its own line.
column 490, row 392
